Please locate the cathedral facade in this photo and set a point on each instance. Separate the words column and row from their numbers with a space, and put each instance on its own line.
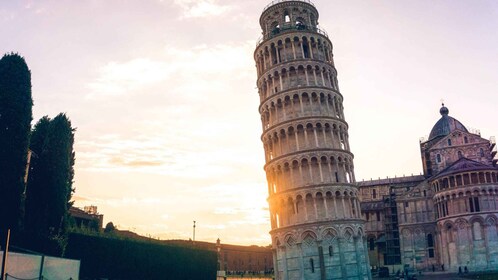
column 317, row 229
column 445, row 219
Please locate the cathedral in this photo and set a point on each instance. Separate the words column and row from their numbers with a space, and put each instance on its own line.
column 325, row 224
column 445, row 219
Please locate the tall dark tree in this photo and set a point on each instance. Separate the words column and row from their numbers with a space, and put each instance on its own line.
column 15, row 124
column 60, row 159
column 36, row 218
column 51, row 177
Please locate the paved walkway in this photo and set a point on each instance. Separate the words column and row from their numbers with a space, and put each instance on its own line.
column 440, row 275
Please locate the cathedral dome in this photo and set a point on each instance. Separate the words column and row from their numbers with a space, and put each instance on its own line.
column 445, row 125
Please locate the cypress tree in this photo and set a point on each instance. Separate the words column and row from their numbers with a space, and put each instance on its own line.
column 60, row 161
column 36, row 219
column 50, row 183
column 15, row 124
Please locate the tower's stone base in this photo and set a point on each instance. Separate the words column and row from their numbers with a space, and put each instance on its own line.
column 321, row 252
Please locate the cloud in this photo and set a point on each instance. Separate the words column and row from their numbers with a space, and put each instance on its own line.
column 80, row 198
column 175, row 88
column 201, row 8
column 182, row 72
column 119, row 78
column 6, row 15
column 155, row 154
column 35, row 7
column 134, row 163
column 165, row 217
column 226, row 211
column 127, row 201
column 115, row 152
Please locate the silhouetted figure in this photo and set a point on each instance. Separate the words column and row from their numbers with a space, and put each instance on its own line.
column 459, row 270
column 442, row 267
column 433, row 268
column 465, row 270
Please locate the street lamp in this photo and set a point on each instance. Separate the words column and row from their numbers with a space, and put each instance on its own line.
column 193, row 238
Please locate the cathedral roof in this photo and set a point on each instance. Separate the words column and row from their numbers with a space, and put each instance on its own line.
column 462, row 165
column 392, row 181
column 371, row 205
column 445, row 125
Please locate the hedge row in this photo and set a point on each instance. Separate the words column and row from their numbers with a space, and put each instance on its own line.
column 111, row 258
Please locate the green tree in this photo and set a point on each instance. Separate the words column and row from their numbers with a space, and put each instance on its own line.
column 36, row 219
column 60, row 160
column 50, row 182
column 109, row 228
column 15, row 124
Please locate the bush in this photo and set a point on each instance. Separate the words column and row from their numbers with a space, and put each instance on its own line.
column 112, row 258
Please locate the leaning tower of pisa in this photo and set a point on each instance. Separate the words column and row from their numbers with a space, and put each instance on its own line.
column 316, row 225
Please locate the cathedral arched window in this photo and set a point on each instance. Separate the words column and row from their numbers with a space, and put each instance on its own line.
column 371, row 244
column 465, row 140
column 430, row 240
column 449, row 142
column 481, row 152
column 430, row 245
column 438, row 158
column 331, row 251
column 460, row 155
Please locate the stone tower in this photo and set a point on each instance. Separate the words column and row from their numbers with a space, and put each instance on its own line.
column 317, row 230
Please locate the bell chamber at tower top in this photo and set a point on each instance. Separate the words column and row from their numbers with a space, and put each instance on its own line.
column 282, row 16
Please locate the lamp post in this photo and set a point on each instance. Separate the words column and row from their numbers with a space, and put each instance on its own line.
column 218, row 250
column 193, row 237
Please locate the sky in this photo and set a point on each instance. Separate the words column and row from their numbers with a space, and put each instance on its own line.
column 163, row 96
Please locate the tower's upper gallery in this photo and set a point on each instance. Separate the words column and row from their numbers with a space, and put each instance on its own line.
column 285, row 15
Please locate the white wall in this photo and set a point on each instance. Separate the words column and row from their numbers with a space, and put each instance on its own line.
column 28, row 266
